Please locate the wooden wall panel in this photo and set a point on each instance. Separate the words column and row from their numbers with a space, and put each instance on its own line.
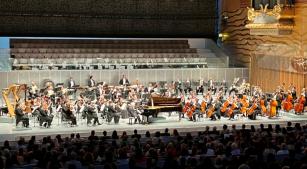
column 242, row 46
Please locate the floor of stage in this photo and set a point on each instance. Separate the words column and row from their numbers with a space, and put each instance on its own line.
column 8, row 131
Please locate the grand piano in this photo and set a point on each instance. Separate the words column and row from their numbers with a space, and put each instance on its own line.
column 158, row 104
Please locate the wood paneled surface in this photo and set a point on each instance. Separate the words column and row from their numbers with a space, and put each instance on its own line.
column 243, row 47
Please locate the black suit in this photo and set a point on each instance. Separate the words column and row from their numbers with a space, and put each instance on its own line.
column 68, row 115
column 92, row 114
column 121, row 81
column 71, row 84
column 112, row 113
column 20, row 116
column 91, row 83
column 43, row 117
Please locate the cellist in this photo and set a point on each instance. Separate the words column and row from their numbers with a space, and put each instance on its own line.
column 234, row 109
column 299, row 106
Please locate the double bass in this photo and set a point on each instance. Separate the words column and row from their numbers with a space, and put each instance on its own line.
column 263, row 106
column 299, row 106
column 273, row 110
column 244, row 102
column 287, row 103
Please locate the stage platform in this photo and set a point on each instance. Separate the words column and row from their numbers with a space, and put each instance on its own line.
column 8, row 131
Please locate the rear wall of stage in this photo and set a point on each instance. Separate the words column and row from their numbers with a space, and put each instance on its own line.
column 144, row 76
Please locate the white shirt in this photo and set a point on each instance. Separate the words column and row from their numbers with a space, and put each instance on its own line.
column 72, row 84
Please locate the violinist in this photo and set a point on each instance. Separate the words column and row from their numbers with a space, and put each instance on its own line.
column 132, row 112
column 45, row 115
column 21, row 116
column 91, row 113
column 112, row 113
column 67, row 112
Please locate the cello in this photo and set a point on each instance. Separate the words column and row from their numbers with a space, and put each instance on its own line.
column 225, row 106
column 210, row 111
column 252, row 109
column 203, row 107
column 231, row 110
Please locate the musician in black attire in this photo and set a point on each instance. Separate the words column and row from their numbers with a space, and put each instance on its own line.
column 132, row 112
column 279, row 98
column 112, row 113
column 71, row 83
column 21, row 117
column 91, row 82
column 217, row 107
column 44, row 117
column 67, row 114
column 197, row 110
column 187, row 86
column 124, row 80
column 91, row 113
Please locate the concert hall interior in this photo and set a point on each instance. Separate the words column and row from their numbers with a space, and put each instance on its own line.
column 153, row 84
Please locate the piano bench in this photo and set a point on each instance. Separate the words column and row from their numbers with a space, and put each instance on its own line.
column 131, row 119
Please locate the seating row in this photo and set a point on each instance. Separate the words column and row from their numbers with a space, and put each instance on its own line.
column 97, row 41
column 97, row 50
column 125, row 46
column 108, row 61
column 99, row 55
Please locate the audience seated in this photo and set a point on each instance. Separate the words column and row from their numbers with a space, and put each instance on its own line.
column 243, row 148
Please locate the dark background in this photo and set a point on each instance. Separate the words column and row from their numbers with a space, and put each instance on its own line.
column 109, row 18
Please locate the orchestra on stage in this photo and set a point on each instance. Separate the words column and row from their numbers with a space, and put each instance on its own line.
column 100, row 103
